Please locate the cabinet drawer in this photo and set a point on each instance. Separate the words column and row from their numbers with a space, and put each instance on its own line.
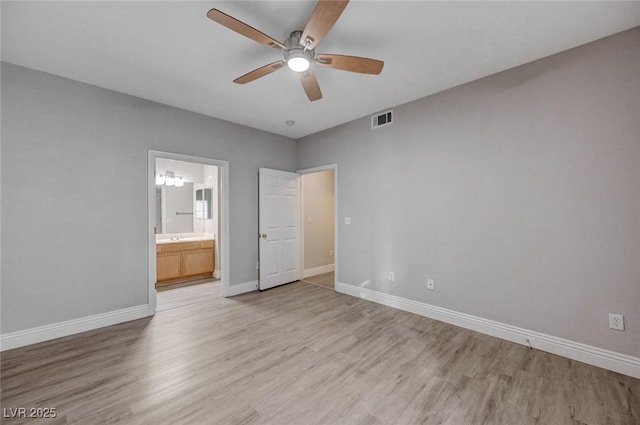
column 184, row 246
column 206, row 244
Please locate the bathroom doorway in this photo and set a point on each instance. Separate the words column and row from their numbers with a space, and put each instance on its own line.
column 319, row 216
column 188, row 232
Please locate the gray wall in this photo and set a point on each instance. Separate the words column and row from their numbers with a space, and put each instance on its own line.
column 80, row 152
column 518, row 193
column 319, row 203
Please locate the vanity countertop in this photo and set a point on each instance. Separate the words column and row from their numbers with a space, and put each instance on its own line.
column 185, row 239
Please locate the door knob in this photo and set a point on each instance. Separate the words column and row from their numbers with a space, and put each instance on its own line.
column 263, row 236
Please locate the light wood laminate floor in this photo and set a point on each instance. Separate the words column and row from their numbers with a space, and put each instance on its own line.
column 181, row 294
column 326, row 280
column 300, row 354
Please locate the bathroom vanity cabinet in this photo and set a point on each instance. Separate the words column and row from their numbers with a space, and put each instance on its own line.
column 180, row 261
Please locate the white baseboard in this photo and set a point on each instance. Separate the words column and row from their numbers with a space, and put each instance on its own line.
column 611, row 360
column 314, row 271
column 242, row 288
column 69, row 327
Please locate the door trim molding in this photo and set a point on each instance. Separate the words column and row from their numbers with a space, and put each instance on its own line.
column 223, row 238
column 334, row 167
column 595, row 356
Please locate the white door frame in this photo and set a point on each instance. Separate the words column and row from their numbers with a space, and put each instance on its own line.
column 311, row 170
column 224, row 256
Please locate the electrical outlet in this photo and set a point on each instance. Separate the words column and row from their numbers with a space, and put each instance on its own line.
column 392, row 276
column 431, row 284
column 331, row 253
column 347, row 220
column 616, row 321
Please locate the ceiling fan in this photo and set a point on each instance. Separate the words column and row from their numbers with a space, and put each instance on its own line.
column 299, row 49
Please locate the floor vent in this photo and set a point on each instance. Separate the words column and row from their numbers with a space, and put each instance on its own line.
column 384, row 118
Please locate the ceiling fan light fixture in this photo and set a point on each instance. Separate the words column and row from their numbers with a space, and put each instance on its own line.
column 298, row 63
column 299, row 49
column 298, row 59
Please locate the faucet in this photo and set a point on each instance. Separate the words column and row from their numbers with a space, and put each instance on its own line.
column 175, row 237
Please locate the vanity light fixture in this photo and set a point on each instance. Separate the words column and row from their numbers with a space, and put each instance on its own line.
column 169, row 179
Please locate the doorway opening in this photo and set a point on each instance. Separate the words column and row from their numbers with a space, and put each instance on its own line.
column 319, row 218
column 188, row 243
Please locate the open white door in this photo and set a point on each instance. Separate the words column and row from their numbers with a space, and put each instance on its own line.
column 279, row 227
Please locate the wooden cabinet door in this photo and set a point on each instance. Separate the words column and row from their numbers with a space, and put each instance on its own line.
column 198, row 262
column 168, row 267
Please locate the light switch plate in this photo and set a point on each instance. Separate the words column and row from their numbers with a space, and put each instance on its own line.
column 347, row 220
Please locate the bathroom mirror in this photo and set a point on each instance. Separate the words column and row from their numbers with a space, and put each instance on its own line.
column 174, row 209
column 185, row 204
column 183, row 209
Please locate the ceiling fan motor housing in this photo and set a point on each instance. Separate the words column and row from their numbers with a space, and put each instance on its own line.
column 295, row 49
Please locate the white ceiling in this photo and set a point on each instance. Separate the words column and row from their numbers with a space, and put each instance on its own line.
column 171, row 53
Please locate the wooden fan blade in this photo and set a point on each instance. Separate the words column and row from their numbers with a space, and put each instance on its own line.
column 350, row 63
column 260, row 72
column 321, row 20
column 311, row 86
column 244, row 29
